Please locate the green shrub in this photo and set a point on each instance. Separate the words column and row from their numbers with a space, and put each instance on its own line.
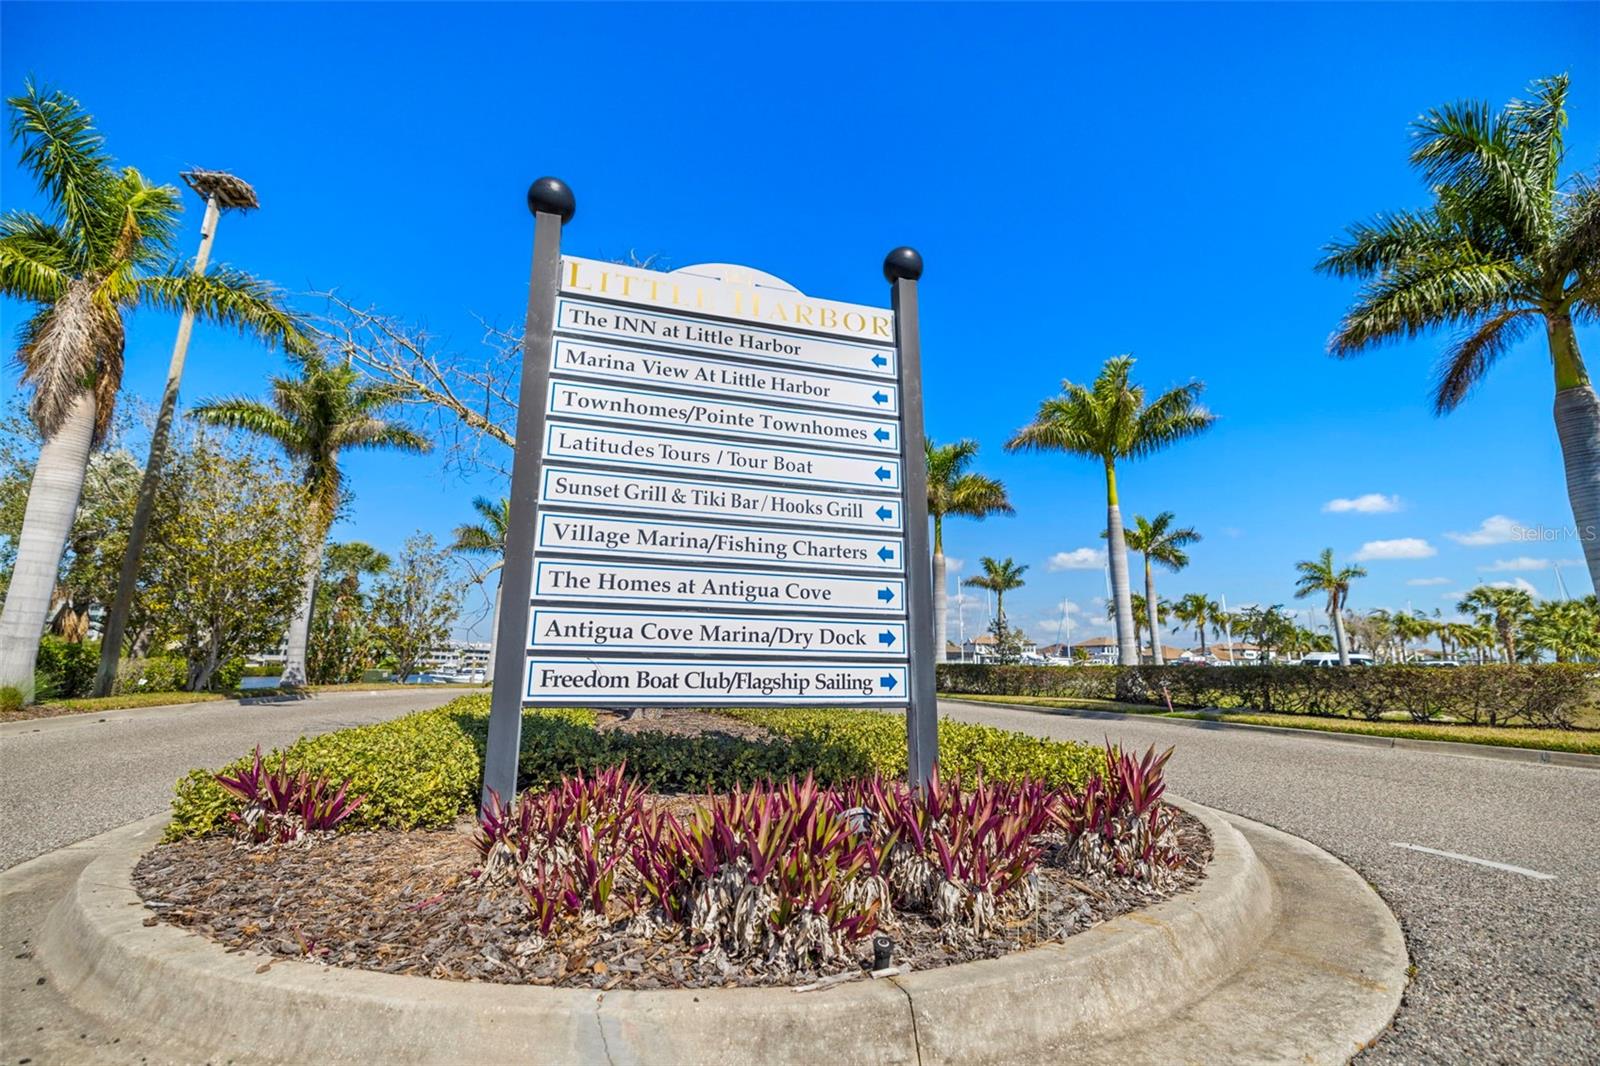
column 65, row 670
column 227, row 675
column 424, row 770
column 11, row 699
column 1547, row 694
column 162, row 673
column 263, row 670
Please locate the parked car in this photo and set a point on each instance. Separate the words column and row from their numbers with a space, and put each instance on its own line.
column 1328, row 658
column 1436, row 662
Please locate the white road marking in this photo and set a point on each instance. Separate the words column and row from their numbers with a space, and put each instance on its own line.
column 1481, row 862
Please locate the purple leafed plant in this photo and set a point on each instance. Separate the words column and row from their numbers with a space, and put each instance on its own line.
column 283, row 806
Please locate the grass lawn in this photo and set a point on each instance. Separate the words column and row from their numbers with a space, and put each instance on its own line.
column 1585, row 740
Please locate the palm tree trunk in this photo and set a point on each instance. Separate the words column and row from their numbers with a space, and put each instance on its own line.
column 1336, row 616
column 1117, row 555
column 47, row 521
column 1577, row 412
column 294, row 663
column 941, row 606
column 1151, row 613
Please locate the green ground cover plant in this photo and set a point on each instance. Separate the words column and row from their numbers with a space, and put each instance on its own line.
column 423, row 770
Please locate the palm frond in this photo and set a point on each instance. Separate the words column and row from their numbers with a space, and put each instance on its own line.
column 1410, row 300
column 144, row 221
column 73, row 344
column 65, row 155
column 229, row 297
column 365, row 432
column 1173, row 416
column 1467, row 361
column 252, row 416
column 35, row 258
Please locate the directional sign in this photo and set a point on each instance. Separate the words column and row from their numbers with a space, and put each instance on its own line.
column 693, row 631
column 676, row 681
column 568, row 487
column 616, row 363
column 648, row 407
column 595, row 582
column 698, row 335
column 614, row 447
column 652, row 538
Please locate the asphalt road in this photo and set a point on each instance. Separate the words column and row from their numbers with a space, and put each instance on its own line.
column 1507, row 966
column 68, row 778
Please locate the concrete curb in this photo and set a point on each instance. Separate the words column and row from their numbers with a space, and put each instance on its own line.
column 1542, row 756
column 1135, row 970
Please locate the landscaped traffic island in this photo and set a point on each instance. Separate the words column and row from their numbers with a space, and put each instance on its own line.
column 674, row 882
column 596, row 881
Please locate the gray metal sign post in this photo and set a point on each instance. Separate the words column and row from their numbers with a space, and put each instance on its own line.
column 553, row 205
column 901, row 268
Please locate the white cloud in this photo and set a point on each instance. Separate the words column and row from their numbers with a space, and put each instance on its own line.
column 953, row 566
column 1370, row 503
column 1428, row 581
column 1521, row 562
column 1400, row 548
column 1520, row 583
column 1077, row 559
column 1496, row 529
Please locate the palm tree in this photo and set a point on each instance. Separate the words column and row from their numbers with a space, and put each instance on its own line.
column 488, row 539
column 1409, row 626
column 1503, row 609
column 105, row 250
column 953, row 490
column 314, row 418
column 1197, row 610
column 1320, row 575
column 1108, row 421
column 1142, row 621
column 999, row 577
column 1507, row 246
column 1158, row 542
column 1568, row 629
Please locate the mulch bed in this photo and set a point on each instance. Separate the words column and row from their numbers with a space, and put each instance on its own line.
column 405, row 902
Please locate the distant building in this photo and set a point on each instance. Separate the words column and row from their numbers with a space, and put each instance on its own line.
column 982, row 649
column 459, row 658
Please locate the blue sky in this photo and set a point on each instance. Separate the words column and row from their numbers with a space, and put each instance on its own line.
column 1081, row 180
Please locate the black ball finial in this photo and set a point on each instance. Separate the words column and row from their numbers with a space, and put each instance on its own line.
column 903, row 262
column 552, row 196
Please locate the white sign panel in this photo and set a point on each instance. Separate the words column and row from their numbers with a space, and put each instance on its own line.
column 567, row 487
column 676, row 631
column 615, row 447
column 561, row 532
column 644, row 407
column 668, row 681
column 695, row 586
column 619, row 364
column 697, row 294
column 700, row 335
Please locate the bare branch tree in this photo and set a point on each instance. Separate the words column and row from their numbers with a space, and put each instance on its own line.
column 467, row 403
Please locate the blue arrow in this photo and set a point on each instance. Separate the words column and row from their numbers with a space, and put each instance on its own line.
column 887, row 681
column 881, row 434
column 886, row 637
column 885, row 595
column 879, row 397
column 885, row 553
column 879, row 360
column 883, row 474
column 884, row 514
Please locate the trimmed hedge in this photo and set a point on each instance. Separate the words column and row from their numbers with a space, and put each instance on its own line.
column 1546, row 695
column 423, row 770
